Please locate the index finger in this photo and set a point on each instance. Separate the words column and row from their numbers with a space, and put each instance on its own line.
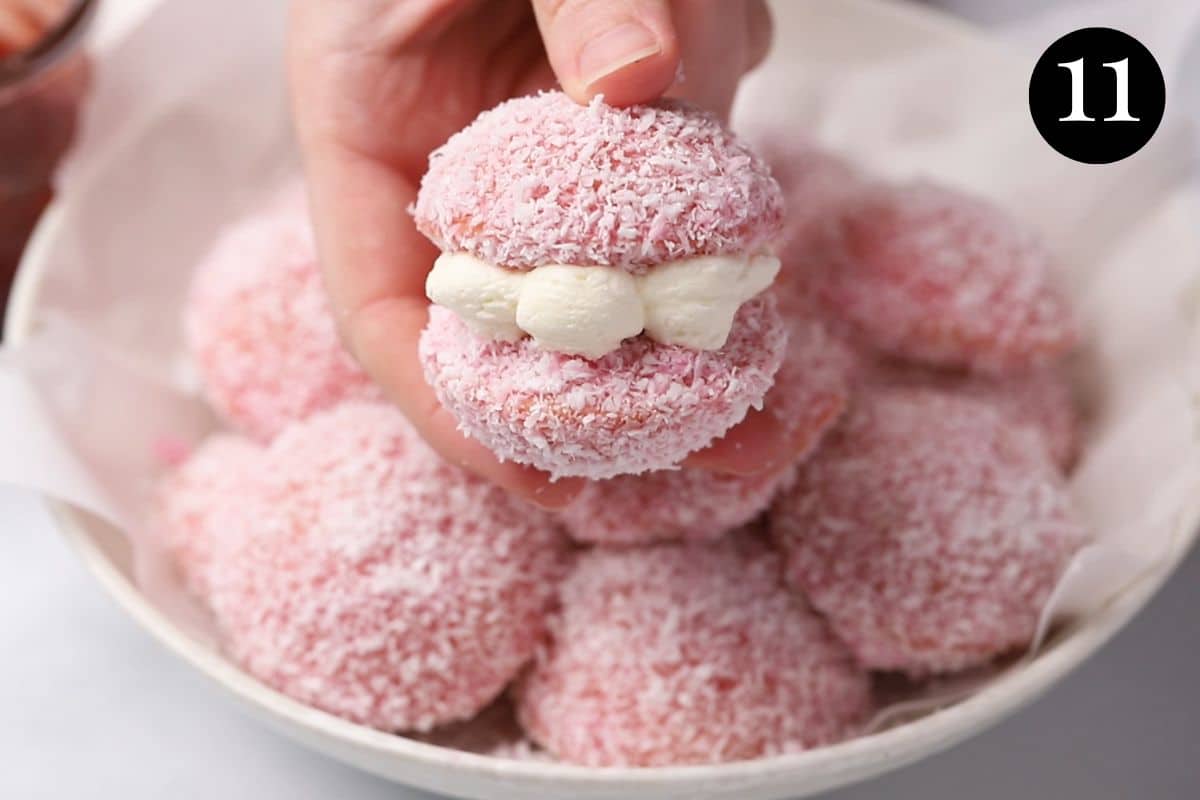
column 375, row 262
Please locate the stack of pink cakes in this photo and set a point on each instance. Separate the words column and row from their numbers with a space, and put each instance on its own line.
column 618, row 289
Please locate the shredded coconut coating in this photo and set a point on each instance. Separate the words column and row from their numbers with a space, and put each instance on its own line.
column 640, row 408
column 810, row 392
column 199, row 502
column 542, row 180
column 928, row 530
column 1043, row 399
column 687, row 654
column 823, row 364
column 671, row 505
column 378, row 583
column 932, row 275
column 260, row 329
column 815, row 183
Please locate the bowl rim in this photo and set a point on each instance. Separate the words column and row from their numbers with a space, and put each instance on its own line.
column 838, row 764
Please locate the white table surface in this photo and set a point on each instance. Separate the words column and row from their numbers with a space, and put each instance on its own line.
column 91, row 708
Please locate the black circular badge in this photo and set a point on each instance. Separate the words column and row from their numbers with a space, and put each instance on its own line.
column 1097, row 95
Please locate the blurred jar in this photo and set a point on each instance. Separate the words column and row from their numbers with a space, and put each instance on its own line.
column 44, row 75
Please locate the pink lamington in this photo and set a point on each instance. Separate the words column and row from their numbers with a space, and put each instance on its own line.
column 687, row 654
column 685, row 504
column 259, row 326
column 542, row 180
column 374, row 581
column 936, row 276
column 200, row 501
column 929, row 530
column 811, row 390
column 815, row 183
column 1042, row 399
column 640, row 408
column 815, row 382
column 822, row 365
column 817, row 186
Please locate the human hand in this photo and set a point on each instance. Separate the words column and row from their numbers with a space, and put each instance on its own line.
column 24, row 22
column 378, row 84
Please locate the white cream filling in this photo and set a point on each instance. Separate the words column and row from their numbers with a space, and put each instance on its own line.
column 588, row 311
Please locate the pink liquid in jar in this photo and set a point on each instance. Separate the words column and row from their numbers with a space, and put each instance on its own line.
column 44, row 75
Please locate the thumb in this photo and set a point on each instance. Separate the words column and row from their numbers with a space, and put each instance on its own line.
column 626, row 51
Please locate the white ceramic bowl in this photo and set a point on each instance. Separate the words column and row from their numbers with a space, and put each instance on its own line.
column 881, row 29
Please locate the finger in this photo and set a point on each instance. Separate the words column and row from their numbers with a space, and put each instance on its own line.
column 385, row 335
column 626, row 51
column 754, row 445
column 371, row 252
column 16, row 30
column 44, row 14
column 760, row 32
column 374, row 263
column 372, row 26
column 766, row 442
column 719, row 42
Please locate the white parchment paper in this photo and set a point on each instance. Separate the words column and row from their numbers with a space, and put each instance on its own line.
column 184, row 134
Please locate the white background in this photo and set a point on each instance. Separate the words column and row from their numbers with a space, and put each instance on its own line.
column 91, row 708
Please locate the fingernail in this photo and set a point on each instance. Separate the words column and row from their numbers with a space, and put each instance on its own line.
column 616, row 49
column 556, row 496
